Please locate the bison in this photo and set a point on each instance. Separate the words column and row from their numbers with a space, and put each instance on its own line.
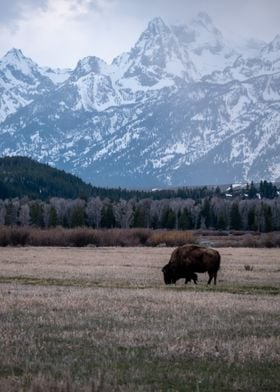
column 186, row 260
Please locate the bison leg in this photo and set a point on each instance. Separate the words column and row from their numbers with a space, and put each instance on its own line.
column 211, row 274
column 194, row 278
column 215, row 277
column 191, row 277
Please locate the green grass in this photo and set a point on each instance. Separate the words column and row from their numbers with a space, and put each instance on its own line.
column 234, row 289
column 137, row 369
column 248, row 289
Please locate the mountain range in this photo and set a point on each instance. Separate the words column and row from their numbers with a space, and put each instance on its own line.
column 184, row 106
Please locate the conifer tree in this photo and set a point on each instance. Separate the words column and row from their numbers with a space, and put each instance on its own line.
column 235, row 217
column 53, row 218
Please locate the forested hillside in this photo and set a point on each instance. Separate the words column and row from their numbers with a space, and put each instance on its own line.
column 25, row 177
column 22, row 176
column 35, row 194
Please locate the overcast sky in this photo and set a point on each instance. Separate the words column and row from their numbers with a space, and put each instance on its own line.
column 60, row 32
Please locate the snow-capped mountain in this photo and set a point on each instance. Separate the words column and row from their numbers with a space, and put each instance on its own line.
column 157, row 56
column 183, row 106
column 266, row 61
column 22, row 80
column 207, row 48
column 57, row 75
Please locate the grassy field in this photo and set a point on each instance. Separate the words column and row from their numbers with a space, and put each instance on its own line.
column 101, row 319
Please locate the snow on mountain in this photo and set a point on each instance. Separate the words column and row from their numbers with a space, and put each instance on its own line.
column 208, row 50
column 183, row 106
column 265, row 61
column 249, row 48
column 90, row 64
column 271, row 52
column 22, row 80
column 56, row 75
column 157, row 55
column 94, row 85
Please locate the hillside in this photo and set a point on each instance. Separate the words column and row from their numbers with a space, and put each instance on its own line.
column 25, row 177
column 22, row 176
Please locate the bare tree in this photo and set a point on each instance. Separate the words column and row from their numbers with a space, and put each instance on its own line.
column 60, row 206
column 93, row 211
column 123, row 213
column 24, row 215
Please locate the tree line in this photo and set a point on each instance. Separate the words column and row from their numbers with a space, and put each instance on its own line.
column 214, row 212
column 22, row 176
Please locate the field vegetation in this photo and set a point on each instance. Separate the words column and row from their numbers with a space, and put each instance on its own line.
column 81, row 237
column 101, row 319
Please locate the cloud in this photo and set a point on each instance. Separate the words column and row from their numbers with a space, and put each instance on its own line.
column 12, row 11
column 60, row 32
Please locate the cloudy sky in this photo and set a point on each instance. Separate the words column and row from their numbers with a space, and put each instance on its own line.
column 60, row 32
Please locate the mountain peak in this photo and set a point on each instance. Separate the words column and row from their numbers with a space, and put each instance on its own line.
column 203, row 26
column 204, row 18
column 15, row 59
column 89, row 64
column 157, row 26
column 272, row 50
column 157, row 21
column 275, row 43
column 15, row 54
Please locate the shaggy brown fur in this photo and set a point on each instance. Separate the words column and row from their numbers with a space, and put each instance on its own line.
column 188, row 259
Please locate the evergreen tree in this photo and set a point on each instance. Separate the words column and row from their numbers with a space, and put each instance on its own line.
column 267, row 214
column 206, row 212
column 77, row 217
column 107, row 217
column 139, row 218
column 53, row 218
column 37, row 214
column 221, row 223
column 155, row 223
column 185, row 220
column 235, row 217
column 252, row 192
column 252, row 219
column 168, row 219
column 218, row 191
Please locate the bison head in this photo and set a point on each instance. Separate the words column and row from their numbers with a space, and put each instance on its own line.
column 168, row 274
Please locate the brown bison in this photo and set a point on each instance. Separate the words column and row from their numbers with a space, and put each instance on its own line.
column 186, row 260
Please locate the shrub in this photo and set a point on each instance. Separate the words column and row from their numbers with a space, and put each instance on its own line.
column 249, row 241
column 171, row 238
column 79, row 237
column 52, row 237
column 14, row 236
column 19, row 236
column 4, row 237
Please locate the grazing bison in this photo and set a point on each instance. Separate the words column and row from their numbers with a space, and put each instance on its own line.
column 186, row 260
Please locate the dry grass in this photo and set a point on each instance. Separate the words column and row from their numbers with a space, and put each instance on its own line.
column 100, row 319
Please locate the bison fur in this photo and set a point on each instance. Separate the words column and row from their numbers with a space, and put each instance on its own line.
column 186, row 260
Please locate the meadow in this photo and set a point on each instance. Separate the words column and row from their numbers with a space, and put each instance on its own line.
column 101, row 319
